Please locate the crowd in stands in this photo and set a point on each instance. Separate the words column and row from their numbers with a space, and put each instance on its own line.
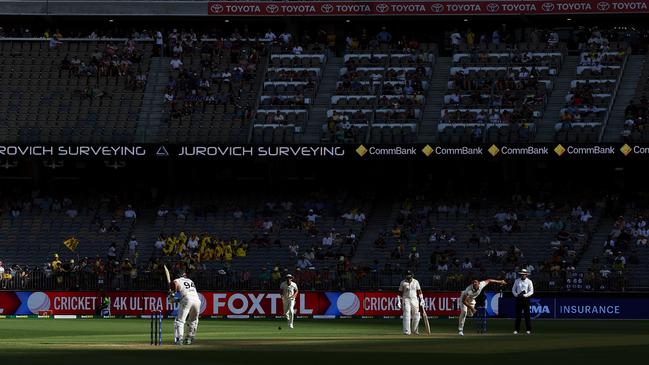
column 383, row 83
column 210, row 74
column 123, row 62
column 636, row 115
column 446, row 242
column 461, row 242
column 342, row 127
column 496, row 83
column 591, row 93
column 620, row 250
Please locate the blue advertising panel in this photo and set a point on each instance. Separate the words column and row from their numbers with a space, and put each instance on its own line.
column 602, row 308
column 579, row 308
column 539, row 307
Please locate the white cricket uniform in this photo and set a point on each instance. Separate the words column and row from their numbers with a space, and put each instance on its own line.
column 410, row 305
column 288, row 299
column 189, row 308
column 471, row 294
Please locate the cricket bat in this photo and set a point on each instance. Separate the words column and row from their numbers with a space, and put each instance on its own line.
column 167, row 274
column 425, row 316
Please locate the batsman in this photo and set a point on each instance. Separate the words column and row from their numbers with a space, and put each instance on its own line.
column 467, row 299
column 189, row 307
column 411, row 296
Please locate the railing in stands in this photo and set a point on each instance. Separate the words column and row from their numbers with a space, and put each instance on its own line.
column 617, row 88
column 308, row 280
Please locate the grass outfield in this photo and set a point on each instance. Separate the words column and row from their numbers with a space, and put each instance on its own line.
column 332, row 342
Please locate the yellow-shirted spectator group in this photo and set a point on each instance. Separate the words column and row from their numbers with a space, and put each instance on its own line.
column 203, row 248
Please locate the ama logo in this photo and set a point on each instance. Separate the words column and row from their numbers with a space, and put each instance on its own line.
column 539, row 309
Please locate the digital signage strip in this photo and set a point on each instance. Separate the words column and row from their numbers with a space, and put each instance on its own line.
column 402, row 8
column 319, row 151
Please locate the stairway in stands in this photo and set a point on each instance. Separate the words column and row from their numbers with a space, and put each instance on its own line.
column 151, row 114
column 382, row 216
column 435, row 100
column 318, row 112
column 545, row 132
column 625, row 93
column 600, row 234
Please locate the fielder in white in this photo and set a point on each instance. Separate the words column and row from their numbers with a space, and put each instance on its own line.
column 189, row 308
column 411, row 296
column 289, row 292
column 467, row 300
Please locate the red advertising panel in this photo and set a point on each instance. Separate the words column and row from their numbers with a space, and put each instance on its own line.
column 384, row 304
column 249, row 303
column 468, row 7
column 261, row 303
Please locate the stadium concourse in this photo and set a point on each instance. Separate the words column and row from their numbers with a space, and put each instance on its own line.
column 193, row 83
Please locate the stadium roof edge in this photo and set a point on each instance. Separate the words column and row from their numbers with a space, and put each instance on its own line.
column 104, row 8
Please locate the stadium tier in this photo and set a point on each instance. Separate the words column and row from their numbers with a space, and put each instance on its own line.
column 72, row 91
column 329, row 241
column 376, row 87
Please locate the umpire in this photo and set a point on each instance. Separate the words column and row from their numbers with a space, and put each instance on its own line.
column 523, row 289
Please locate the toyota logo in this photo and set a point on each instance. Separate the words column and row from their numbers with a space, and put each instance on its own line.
column 492, row 8
column 272, row 8
column 216, row 8
column 382, row 8
column 603, row 5
column 437, row 8
column 548, row 7
column 327, row 8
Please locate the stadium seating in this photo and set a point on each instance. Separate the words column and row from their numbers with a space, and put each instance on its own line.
column 212, row 95
column 72, row 91
column 498, row 93
column 591, row 93
column 379, row 92
column 451, row 234
column 31, row 237
column 289, row 89
column 636, row 114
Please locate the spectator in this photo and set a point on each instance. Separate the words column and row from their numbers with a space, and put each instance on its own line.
column 456, row 39
column 129, row 213
column 112, row 253
column 2, row 275
column 312, row 216
column 159, row 244
column 175, row 63
column 619, row 262
column 132, row 247
column 270, row 36
column 293, row 248
column 297, row 49
column 192, row 243
column 384, row 38
column 467, row 265
column 328, row 240
column 159, row 42
column 303, row 263
column 162, row 211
